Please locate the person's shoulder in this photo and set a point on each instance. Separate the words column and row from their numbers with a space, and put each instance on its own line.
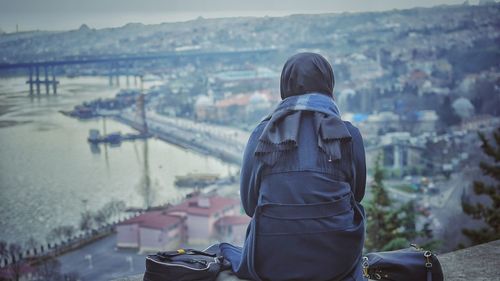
column 353, row 130
column 257, row 131
column 350, row 126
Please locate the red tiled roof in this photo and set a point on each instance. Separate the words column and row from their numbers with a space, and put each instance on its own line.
column 217, row 204
column 154, row 219
column 417, row 75
column 240, row 99
column 233, row 220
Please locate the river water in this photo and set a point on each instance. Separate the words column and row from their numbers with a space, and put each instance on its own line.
column 49, row 173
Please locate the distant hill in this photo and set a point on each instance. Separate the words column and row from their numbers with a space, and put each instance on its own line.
column 442, row 27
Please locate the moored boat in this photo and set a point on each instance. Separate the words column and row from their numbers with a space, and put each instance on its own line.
column 196, row 180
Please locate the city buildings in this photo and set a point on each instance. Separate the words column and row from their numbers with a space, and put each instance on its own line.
column 196, row 221
column 152, row 231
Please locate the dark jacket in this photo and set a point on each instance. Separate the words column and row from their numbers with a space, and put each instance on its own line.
column 307, row 223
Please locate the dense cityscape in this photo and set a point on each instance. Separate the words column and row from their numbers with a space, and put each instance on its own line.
column 419, row 84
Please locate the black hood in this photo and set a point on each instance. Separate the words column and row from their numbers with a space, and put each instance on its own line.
column 306, row 73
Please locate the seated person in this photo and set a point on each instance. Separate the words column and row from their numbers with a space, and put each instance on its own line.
column 303, row 176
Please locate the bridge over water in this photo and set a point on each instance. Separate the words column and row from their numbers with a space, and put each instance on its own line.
column 118, row 64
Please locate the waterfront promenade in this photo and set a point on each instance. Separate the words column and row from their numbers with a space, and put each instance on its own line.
column 219, row 141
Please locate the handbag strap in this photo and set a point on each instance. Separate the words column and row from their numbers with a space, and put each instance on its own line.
column 428, row 264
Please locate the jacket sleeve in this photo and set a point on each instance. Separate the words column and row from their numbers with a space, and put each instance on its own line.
column 358, row 181
column 250, row 174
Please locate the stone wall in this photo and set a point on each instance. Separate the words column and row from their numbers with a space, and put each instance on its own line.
column 478, row 263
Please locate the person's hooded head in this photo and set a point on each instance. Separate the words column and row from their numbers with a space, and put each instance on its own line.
column 306, row 73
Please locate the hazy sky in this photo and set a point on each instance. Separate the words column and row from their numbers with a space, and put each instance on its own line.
column 70, row 14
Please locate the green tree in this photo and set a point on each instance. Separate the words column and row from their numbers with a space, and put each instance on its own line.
column 4, row 251
column 488, row 213
column 61, row 233
column 446, row 113
column 87, row 222
column 388, row 227
column 108, row 211
column 18, row 262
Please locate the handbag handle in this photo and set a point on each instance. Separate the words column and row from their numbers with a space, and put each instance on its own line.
column 428, row 265
column 171, row 254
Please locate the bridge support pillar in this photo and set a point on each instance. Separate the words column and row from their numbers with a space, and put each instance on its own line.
column 37, row 81
column 46, row 82
column 30, row 81
column 54, row 81
column 110, row 75
column 117, row 78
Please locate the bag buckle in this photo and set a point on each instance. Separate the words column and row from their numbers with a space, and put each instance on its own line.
column 365, row 265
column 427, row 255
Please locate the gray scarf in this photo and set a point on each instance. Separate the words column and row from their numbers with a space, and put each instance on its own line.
column 281, row 132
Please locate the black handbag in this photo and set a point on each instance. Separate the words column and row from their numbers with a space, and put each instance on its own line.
column 185, row 265
column 411, row 264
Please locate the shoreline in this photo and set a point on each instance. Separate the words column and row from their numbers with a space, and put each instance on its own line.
column 180, row 136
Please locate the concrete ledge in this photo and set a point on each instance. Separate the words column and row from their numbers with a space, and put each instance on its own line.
column 478, row 263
